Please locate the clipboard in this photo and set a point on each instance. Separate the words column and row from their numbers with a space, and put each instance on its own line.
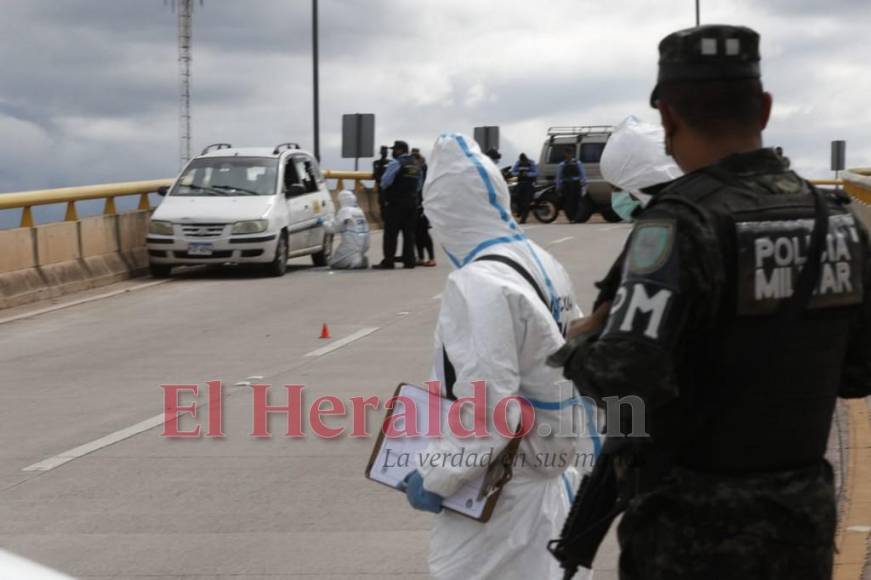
column 476, row 499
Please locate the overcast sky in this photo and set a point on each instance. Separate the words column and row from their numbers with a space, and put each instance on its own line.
column 89, row 89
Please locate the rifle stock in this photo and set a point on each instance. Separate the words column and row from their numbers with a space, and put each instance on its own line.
column 597, row 504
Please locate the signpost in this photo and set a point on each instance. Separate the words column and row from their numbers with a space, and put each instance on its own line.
column 487, row 137
column 315, row 82
column 839, row 156
column 358, row 136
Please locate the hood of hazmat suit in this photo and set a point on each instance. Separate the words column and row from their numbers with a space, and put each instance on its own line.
column 493, row 326
column 351, row 224
column 634, row 158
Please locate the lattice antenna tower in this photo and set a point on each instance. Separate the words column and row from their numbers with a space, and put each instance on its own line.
column 185, row 11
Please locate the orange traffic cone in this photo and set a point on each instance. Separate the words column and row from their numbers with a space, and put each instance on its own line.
column 325, row 331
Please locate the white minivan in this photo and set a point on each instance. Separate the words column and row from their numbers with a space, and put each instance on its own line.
column 239, row 206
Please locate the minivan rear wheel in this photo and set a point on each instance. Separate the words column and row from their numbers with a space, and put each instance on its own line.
column 322, row 258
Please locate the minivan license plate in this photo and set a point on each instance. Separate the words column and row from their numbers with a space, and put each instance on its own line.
column 200, row 249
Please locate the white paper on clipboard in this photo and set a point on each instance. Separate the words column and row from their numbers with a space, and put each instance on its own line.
column 385, row 470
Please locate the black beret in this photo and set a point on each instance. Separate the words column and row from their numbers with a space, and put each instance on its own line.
column 710, row 52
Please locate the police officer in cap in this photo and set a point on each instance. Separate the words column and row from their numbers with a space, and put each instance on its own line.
column 526, row 172
column 379, row 166
column 570, row 182
column 739, row 312
column 401, row 182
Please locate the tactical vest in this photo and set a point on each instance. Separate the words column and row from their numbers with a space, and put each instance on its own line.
column 523, row 171
column 403, row 190
column 379, row 166
column 758, row 389
column 570, row 170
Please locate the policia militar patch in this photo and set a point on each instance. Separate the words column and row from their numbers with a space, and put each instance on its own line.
column 646, row 304
column 771, row 255
column 652, row 244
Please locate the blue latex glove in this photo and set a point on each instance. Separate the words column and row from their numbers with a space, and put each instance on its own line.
column 418, row 497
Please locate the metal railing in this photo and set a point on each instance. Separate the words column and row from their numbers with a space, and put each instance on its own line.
column 26, row 200
column 358, row 177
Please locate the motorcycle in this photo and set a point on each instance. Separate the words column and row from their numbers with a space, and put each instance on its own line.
column 546, row 203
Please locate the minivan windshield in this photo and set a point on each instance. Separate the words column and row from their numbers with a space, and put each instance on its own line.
column 228, row 176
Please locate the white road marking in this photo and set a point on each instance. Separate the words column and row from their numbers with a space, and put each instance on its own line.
column 860, row 529
column 437, row 296
column 363, row 332
column 82, row 301
column 112, row 438
column 82, row 450
column 561, row 240
column 617, row 227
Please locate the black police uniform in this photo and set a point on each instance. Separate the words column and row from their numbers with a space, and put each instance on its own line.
column 525, row 188
column 400, row 212
column 571, row 189
column 379, row 166
column 739, row 377
column 422, row 240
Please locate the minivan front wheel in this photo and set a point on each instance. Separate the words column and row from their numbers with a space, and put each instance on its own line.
column 160, row 270
column 278, row 266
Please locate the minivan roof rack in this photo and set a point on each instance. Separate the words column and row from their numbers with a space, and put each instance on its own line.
column 578, row 131
column 282, row 146
column 216, row 147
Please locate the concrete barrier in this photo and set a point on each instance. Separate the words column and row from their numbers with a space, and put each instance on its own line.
column 51, row 260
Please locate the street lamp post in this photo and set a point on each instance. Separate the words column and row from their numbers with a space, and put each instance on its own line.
column 315, row 75
column 697, row 13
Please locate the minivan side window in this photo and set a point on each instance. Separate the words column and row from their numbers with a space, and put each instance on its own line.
column 315, row 170
column 305, row 172
column 291, row 174
column 558, row 150
column 591, row 152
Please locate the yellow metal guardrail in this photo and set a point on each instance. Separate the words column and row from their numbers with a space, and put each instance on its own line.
column 857, row 183
column 25, row 200
column 70, row 195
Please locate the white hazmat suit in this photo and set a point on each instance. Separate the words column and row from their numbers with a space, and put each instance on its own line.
column 352, row 225
column 493, row 326
column 634, row 158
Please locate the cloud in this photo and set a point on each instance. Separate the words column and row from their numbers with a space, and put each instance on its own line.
column 93, row 84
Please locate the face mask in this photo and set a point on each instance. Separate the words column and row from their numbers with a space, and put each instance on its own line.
column 624, row 205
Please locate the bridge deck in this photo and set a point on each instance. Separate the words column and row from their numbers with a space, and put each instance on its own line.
column 145, row 506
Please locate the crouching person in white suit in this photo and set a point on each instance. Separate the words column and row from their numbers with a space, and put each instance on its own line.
column 504, row 310
column 352, row 225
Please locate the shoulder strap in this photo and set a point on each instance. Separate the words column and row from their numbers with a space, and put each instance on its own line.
column 450, row 373
column 810, row 273
column 519, row 269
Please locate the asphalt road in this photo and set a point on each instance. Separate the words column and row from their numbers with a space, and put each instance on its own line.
column 89, row 486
